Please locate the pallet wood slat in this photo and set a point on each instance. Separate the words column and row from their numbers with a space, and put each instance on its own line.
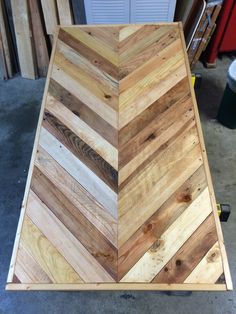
column 40, row 44
column 119, row 194
column 23, row 31
column 50, row 14
column 64, row 12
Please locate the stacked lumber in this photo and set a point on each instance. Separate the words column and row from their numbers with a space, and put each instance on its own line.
column 119, row 194
column 34, row 24
column 204, row 31
column 7, row 61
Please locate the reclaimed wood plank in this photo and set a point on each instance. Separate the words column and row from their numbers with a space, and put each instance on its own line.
column 124, row 227
column 54, row 265
column 73, row 251
column 64, row 12
column 39, row 38
column 25, row 48
column 79, row 196
column 50, row 15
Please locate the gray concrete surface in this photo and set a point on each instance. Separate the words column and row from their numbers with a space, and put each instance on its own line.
column 19, row 107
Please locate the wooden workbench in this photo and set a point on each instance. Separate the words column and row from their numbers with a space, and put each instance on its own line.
column 119, row 193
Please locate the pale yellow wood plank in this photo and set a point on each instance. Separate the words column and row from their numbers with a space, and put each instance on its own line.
column 73, row 251
column 209, row 269
column 128, row 30
column 171, row 240
column 118, row 286
column 27, row 269
column 46, row 255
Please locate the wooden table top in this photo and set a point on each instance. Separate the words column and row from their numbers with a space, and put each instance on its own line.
column 119, row 194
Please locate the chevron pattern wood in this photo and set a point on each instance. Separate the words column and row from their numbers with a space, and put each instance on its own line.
column 119, row 194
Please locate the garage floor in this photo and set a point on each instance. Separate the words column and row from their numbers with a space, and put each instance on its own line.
column 19, row 107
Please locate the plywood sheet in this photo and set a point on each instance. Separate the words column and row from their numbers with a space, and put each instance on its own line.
column 119, row 194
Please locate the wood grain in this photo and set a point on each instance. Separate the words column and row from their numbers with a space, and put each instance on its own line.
column 23, row 33
column 41, row 50
column 64, row 12
column 119, row 194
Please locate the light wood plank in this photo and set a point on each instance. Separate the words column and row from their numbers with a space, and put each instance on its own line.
column 190, row 254
column 157, row 133
column 147, row 90
column 98, row 106
column 98, row 245
column 174, row 178
column 27, row 270
column 50, row 15
column 81, row 198
column 209, row 269
column 80, row 172
column 73, row 251
column 100, row 84
column 87, row 134
column 23, row 33
column 128, row 31
column 95, row 44
column 153, row 228
column 161, row 252
column 64, row 12
column 118, row 286
column 58, row 270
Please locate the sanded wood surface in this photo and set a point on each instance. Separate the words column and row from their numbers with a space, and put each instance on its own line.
column 119, row 194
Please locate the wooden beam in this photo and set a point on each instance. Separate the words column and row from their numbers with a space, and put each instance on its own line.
column 64, row 12
column 50, row 15
column 41, row 50
column 24, row 38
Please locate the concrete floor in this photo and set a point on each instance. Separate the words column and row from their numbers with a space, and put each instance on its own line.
column 19, row 107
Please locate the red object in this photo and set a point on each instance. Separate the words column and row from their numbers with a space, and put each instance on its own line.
column 224, row 37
